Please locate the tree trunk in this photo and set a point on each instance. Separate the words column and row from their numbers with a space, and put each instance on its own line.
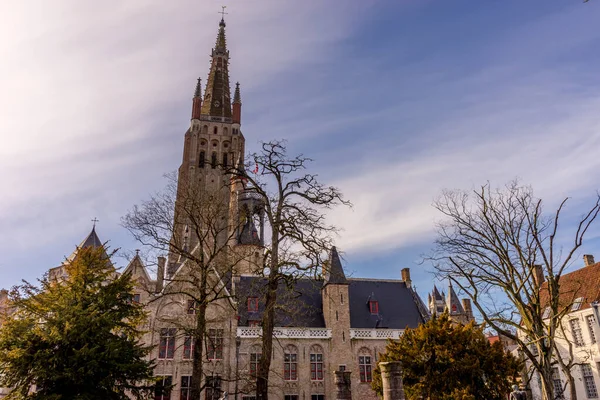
column 200, row 334
column 268, row 325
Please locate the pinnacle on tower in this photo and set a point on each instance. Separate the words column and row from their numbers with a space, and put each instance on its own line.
column 237, row 105
column 197, row 101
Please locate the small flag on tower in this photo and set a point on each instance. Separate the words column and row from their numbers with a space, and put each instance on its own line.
column 255, row 171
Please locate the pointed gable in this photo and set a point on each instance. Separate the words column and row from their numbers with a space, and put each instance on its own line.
column 453, row 303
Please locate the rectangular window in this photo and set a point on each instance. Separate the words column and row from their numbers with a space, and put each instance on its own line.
column 317, row 397
column 188, row 347
column 290, row 397
column 213, row 388
column 136, row 298
column 591, row 323
column 215, row 344
column 191, row 307
column 290, row 367
column 254, row 363
column 588, row 378
column 364, row 368
column 186, row 392
column 576, row 332
column 558, row 385
column 341, row 367
column 252, row 304
column 374, row 307
column 166, row 348
column 316, row 367
column 163, row 388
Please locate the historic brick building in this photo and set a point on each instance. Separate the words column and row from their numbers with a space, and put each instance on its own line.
column 323, row 324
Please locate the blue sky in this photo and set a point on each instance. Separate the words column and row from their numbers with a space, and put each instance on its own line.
column 395, row 101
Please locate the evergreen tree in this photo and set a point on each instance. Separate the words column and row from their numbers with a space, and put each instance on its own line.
column 76, row 338
column 444, row 360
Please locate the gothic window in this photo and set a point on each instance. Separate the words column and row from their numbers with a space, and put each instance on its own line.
column 186, row 384
column 213, row 160
column 205, row 129
column 191, row 307
column 213, row 388
column 316, row 363
column 215, row 344
column 225, row 163
column 215, row 130
column 162, row 389
column 290, row 363
column 364, row 365
column 374, row 307
column 166, row 348
column 201, row 159
column 591, row 323
column 252, row 304
column 188, row 347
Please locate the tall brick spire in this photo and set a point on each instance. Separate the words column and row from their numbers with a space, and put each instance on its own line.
column 217, row 102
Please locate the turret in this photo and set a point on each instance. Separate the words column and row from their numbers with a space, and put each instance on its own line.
column 237, row 105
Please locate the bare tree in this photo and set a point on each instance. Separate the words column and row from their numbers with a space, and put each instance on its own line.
column 193, row 224
column 498, row 244
column 294, row 202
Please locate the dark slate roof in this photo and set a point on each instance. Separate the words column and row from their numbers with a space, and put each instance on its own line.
column 91, row 240
column 436, row 293
column 334, row 272
column 301, row 305
column 397, row 308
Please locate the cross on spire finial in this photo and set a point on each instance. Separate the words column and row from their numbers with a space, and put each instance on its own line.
column 222, row 12
column 94, row 221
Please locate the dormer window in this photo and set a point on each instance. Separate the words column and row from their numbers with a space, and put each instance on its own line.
column 136, row 298
column 252, row 304
column 374, row 307
column 577, row 304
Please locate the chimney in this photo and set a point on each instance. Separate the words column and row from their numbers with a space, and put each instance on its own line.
column 538, row 275
column 466, row 303
column 160, row 274
column 391, row 380
column 588, row 259
column 406, row 276
column 342, row 381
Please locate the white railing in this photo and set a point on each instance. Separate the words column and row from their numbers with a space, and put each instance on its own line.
column 286, row 333
column 375, row 333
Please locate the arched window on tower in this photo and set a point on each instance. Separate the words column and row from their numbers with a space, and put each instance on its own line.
column 213, row 160
column 205, row 129
column 225, row 163
column 215, row 130
column 201, row 159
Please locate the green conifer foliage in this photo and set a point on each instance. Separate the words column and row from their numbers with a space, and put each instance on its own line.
column 77, row 338
column 442, row 360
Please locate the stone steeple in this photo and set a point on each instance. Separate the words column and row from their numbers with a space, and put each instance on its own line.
column 217, row 101
column 197, row 101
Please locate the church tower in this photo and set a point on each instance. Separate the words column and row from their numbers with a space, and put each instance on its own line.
column 213, row 146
